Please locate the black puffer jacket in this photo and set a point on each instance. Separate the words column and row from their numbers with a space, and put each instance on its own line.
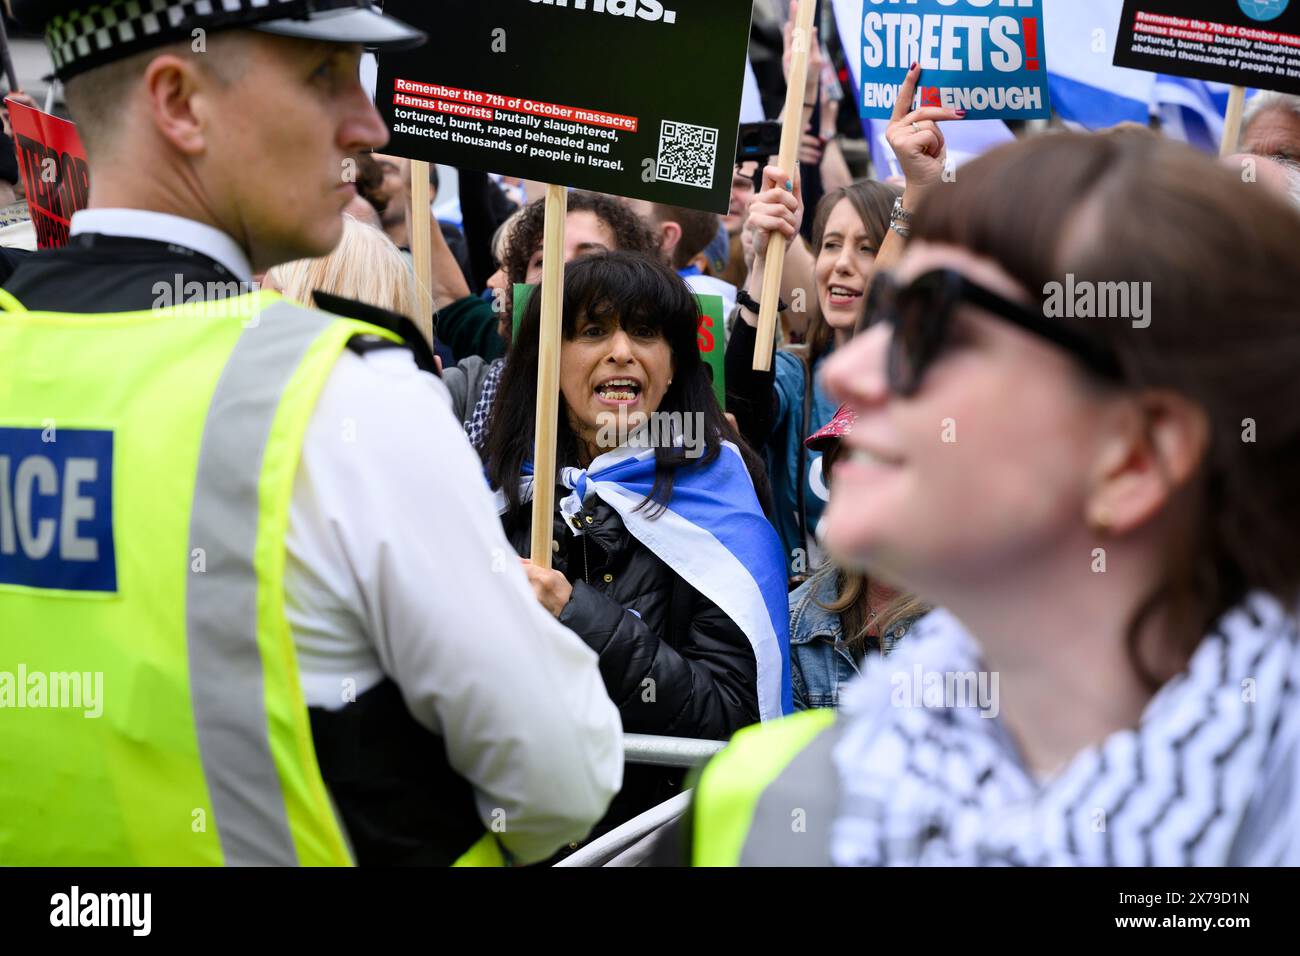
column 678, row 666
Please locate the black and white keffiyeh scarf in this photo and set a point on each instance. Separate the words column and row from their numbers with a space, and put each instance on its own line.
column 1210, row 777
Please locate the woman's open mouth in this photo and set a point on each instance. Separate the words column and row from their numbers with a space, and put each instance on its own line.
column 619, row 391
column 842, row 297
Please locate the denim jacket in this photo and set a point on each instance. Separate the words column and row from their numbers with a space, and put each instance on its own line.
column 821, row 665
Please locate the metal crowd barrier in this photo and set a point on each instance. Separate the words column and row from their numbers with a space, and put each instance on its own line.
column 629, row 844
column 668, row 751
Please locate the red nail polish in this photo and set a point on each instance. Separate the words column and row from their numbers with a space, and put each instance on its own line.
column 961, row 112
column 914, row 65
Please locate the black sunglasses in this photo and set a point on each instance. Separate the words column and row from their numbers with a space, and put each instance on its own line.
column 921, row 316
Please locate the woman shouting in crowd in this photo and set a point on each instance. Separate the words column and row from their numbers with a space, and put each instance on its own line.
column 663, row 562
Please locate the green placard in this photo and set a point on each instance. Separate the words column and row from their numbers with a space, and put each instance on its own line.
column 713, row 318
column 713, row 322
column 522, row 294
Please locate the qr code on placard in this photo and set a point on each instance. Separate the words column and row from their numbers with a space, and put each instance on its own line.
column 687, row 154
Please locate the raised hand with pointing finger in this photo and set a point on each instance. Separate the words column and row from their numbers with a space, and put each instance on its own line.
column 916, row 138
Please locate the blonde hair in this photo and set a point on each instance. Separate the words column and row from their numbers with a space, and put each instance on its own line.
column 366, row 266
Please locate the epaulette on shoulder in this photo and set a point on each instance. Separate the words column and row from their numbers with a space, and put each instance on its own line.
column 394, row 322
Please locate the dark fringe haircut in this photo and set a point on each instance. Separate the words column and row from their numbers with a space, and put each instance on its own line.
column 638, row 290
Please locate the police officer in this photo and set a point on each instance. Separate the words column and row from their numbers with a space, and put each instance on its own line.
column 257, row 602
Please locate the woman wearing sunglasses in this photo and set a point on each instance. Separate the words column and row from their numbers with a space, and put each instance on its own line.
column 1107, row 511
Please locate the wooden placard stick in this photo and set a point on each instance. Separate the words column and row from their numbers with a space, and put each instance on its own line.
column 548, row 375
column 1232, row 122
column 791, row 132
column 422, row 246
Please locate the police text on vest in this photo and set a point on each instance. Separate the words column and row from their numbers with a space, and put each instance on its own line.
column 56, row 509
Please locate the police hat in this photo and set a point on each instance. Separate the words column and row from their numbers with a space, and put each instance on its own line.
column 84, row 34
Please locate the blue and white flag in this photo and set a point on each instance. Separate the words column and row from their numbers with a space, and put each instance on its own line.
column 1192, row 110
column 966, row 139
column 1087, row 89
column 714, row 535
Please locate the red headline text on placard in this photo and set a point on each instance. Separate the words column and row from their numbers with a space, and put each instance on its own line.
column 513, row 104
column 1203, row 31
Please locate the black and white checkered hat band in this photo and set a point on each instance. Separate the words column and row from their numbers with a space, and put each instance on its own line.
column 115, row 29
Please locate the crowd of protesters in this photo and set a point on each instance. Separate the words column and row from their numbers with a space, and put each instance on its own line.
column 1069, row 441
column 935, row 476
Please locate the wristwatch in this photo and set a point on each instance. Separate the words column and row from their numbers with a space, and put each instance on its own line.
column 900, row 220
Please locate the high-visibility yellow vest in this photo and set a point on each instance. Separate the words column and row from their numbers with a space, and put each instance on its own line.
column 150, row 706
column 769, row 798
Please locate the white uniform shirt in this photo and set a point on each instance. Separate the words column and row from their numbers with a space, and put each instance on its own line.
column 397, row 566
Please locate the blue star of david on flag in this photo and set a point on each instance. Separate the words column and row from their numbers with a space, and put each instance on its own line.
column 1263, row 10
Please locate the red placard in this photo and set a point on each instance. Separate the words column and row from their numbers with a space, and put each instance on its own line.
column 54, row 170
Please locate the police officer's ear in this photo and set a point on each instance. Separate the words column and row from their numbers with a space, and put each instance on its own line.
column 181, row 101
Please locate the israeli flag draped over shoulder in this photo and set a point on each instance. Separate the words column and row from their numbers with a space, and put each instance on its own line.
column 714, row 534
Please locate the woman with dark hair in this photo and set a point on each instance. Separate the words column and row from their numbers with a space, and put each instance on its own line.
column 1111, row 529
column 778, row 409
column 478, row 331
column 663, row 560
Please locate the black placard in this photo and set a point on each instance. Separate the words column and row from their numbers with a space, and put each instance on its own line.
column 636, row 98
column 1242, row 42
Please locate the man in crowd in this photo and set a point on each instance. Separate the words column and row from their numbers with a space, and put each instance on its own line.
column 742, row 191
column 1271, row 126
column 390, row 194
column 232, row 511
column 684, row 235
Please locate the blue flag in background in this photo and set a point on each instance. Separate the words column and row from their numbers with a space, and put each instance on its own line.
column 1192, row 110
column 1090, row 92
column 1087, row 90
